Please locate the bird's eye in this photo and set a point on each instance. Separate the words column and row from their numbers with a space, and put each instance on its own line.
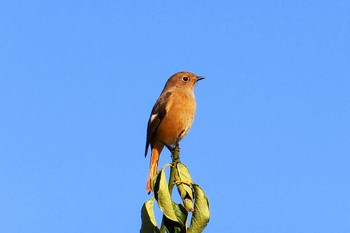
column 185, row 79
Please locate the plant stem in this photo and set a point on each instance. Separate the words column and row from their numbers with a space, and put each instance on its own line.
column 176, row 158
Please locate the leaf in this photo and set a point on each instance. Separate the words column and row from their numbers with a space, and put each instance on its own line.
column 184, row 181
column 181, row 225
column 201, row 213
column 172, row 227
column 188, row 204
column 181, row 213
column 184, row 173
column 162, row 195
column 149, row 223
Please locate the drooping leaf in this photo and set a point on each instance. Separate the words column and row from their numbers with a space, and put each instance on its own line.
column 181, row 214
column 186, row 194
column 149, row 224
column 201, row 213
column 184, row 173
column 181, row 225
column 171, row 226
column 162, row 195
column 184, row 180
column 188, row 204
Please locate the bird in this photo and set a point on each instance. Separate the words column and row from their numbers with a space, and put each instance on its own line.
column 171, row 118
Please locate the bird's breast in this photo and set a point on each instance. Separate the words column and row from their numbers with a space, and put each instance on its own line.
column 178, row 119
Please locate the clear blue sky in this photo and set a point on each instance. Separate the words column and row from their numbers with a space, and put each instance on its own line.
column 270, row 144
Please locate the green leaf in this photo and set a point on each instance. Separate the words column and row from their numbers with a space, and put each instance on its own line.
column 188, row 204
column 162, row 195
column 181, row 213
column 149, row 224
column 201, row 212
column 181, row 225
column 184, row 181
column 184, row 173
column 172, row 227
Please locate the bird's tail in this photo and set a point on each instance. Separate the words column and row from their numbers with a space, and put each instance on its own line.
column 153, row 166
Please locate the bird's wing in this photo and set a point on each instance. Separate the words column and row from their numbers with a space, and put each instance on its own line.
column 158, row 113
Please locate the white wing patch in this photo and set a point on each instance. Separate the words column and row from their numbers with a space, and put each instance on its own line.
column 152, row 117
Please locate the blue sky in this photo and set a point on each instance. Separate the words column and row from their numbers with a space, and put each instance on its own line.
column 270, row 144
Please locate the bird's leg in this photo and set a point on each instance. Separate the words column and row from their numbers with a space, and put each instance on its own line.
column 170, row 148
column 177, row 146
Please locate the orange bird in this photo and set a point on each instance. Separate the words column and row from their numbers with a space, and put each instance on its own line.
column 171, row 117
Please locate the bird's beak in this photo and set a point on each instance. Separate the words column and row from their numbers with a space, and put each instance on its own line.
column 199, row 78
